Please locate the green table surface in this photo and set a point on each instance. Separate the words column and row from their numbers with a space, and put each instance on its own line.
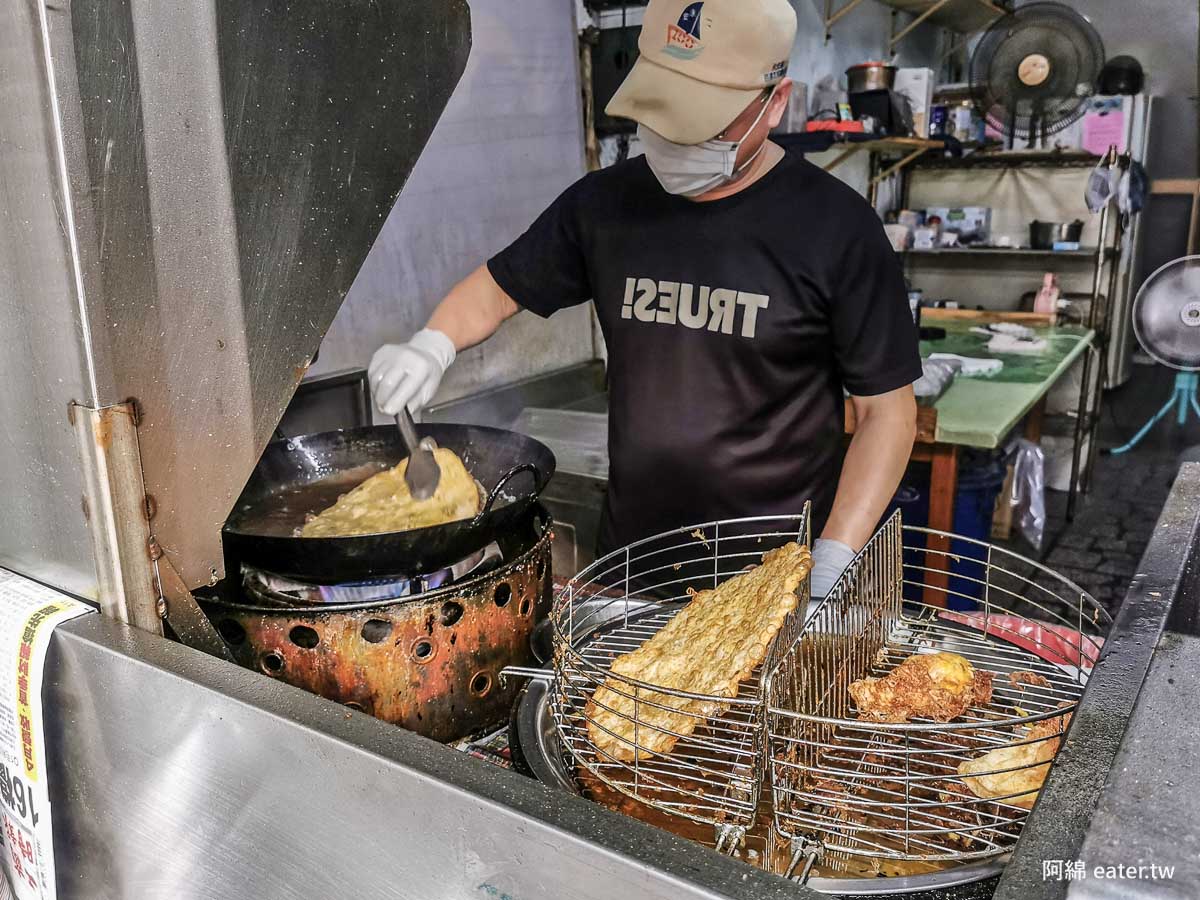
column 980, row 411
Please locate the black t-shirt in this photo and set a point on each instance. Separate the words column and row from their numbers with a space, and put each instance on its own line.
column 731, row 327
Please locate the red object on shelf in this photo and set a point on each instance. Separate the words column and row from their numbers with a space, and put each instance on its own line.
column 832, row 125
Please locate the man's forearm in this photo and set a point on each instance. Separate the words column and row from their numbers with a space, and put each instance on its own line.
column 875, row 463
column 473, row 310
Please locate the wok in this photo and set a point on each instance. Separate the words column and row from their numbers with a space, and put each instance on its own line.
column 303, row 475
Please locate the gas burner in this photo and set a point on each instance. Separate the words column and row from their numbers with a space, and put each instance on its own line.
column 426, row 658
column 275, row 590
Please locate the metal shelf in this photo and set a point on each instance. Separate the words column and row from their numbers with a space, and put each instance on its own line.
column 1085, row 253
column 850, row 143
column 961, row 16
column 1005, row 159
column 899, row 144
column 820, row 141
column 910, row 148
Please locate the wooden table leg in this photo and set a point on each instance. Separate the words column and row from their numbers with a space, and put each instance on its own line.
column 943, row 487
column 1033, row 423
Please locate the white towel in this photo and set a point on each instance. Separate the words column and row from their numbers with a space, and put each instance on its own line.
column 971, row 365
column 1008, row 343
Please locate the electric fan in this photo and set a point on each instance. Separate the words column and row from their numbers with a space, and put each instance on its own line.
column 1166, row 320
column 1033, row 71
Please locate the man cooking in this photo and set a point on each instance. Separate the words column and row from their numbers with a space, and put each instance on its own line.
column 739, row 289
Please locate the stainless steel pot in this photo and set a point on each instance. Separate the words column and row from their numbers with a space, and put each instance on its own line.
column 870, row 76
column 1044, row 235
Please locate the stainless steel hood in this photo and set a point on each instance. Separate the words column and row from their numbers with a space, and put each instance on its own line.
column 186, row 194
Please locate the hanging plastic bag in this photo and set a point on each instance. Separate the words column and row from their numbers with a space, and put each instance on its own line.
column 1102, row 184
column 1028, row 496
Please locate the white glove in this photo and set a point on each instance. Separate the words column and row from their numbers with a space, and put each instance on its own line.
column 830, row 559
column 409, row 374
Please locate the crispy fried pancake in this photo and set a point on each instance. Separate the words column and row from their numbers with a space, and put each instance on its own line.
column 710, row 647
column 1029, row 762
column 383, row 502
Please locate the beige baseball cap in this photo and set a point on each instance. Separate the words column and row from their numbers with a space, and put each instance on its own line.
column 702, row 62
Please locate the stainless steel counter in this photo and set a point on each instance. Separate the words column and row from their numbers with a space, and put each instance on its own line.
column 177, row 775
column 1147, row 815
column 1119, row 791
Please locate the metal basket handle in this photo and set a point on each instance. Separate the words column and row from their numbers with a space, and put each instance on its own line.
column 538, row 484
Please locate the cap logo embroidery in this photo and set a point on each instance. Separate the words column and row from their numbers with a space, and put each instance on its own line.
column 683, row 40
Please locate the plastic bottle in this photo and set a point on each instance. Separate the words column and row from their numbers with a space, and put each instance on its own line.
column 1046, row 301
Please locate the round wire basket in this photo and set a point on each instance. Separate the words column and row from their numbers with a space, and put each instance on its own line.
column 894, row 780
column 697, row 756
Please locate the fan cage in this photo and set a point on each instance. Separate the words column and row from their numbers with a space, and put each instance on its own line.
column 1037, row 114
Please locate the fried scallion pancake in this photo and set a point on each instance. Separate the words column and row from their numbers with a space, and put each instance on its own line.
column 710, row 647
column 383, row 503
column 1016, row 773
column 938, row 686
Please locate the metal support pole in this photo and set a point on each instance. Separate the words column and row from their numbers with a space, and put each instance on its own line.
column 129, row 562
column 591, row 145
column 896, row 167
column 1089, row 399
column 1083, row 413
column 117, row 512
column 873, row 180
column 1104, row 333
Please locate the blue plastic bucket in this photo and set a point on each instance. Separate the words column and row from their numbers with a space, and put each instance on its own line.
column 912, row 500
column 974, row 507
column 979, row 484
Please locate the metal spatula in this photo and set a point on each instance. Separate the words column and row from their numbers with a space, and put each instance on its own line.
column 422, row 475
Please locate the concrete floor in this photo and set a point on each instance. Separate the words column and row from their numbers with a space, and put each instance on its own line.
column 1100, row 550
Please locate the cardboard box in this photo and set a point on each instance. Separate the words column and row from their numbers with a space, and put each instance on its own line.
column 925, row 239
column 916, row 85
column 970, row 223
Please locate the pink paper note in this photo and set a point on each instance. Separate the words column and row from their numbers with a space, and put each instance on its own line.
column 1103, row 129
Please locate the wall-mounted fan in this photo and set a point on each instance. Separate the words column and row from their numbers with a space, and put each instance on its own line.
column 1033, row 71
column 1166, row 320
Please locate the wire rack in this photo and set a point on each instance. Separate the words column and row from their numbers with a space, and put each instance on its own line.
column 713, row 774
column 847, row 786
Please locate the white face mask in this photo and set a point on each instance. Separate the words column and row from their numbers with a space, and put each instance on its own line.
column 689, row 170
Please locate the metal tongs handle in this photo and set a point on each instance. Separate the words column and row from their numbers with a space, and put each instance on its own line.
column 422, row 474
